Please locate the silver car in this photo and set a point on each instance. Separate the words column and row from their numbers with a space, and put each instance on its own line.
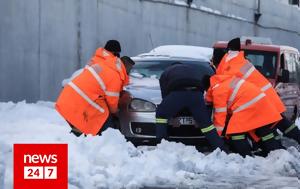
column 139, row 101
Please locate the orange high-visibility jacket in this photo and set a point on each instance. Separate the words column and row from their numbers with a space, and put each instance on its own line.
column 234, row 63
column 88, row 99
column 245, row 104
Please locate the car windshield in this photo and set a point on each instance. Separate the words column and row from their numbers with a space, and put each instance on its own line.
column 264, row 61
column 154, row 68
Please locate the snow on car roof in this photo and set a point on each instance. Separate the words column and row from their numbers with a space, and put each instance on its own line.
column 179, row 51
column 288, row 48
column 170, row 52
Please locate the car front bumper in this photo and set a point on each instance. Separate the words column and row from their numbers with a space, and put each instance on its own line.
column 139, row 127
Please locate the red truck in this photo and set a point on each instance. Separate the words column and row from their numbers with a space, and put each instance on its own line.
column 280, row 64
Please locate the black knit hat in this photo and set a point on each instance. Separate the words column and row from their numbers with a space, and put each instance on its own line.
column 113, row 46
column 234, row 44
column 218, row 55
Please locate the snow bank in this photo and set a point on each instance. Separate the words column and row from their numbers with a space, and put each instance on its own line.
column 110, row 161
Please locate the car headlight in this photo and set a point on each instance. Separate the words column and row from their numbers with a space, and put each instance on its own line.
column 139, row 105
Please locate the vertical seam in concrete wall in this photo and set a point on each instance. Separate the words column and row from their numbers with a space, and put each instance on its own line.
column 78, row 35
column 187, row 27
column 256, row 11
column 98, row 25
column 39, row 46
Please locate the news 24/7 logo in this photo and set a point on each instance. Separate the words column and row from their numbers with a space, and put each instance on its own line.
column 40, row 166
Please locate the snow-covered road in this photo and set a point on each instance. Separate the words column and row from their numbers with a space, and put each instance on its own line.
column 111, row 162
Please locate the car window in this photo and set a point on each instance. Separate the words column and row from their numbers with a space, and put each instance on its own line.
column 153, row 69
column 264, row 61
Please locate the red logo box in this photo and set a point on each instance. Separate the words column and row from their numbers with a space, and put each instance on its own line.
column 40, row 166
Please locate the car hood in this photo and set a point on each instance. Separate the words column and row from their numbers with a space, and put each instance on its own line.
column 145, row 88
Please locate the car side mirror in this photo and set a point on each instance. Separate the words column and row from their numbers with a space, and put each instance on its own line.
column 285, row 77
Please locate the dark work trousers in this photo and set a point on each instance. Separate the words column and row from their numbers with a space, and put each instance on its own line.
column 289, row 129
column 176, row 101
column 108, row 123
column 241, row 145
column 268, row 140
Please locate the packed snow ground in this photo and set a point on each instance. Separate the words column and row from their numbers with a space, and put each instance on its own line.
column 111, row 162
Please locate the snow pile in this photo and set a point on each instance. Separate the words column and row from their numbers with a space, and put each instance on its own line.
column 110, row 161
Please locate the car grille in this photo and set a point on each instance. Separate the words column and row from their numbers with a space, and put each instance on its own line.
column 148, row 129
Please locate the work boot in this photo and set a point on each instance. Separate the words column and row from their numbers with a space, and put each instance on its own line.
column 271, row 145
column 289, row 129
column 294, row 134
column 240, row 145
column 76, row 132
column 214, row 139
column 268, row 140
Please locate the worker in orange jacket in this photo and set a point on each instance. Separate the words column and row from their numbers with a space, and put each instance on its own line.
column 235, row 63
column 239, row 108
column 87, row 101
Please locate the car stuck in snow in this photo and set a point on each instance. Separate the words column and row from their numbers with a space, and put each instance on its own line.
column 138, row 102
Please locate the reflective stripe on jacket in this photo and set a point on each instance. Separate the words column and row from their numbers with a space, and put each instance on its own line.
column 234, row 63
column 245, row 104
column 88, row 99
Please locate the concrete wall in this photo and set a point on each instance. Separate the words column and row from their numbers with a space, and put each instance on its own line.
column 2, row 166
column 44, row 41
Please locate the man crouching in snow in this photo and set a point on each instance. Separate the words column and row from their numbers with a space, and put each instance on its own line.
column 87, row 101
column 181, row 87
column 234, row 63
column 241, row 108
